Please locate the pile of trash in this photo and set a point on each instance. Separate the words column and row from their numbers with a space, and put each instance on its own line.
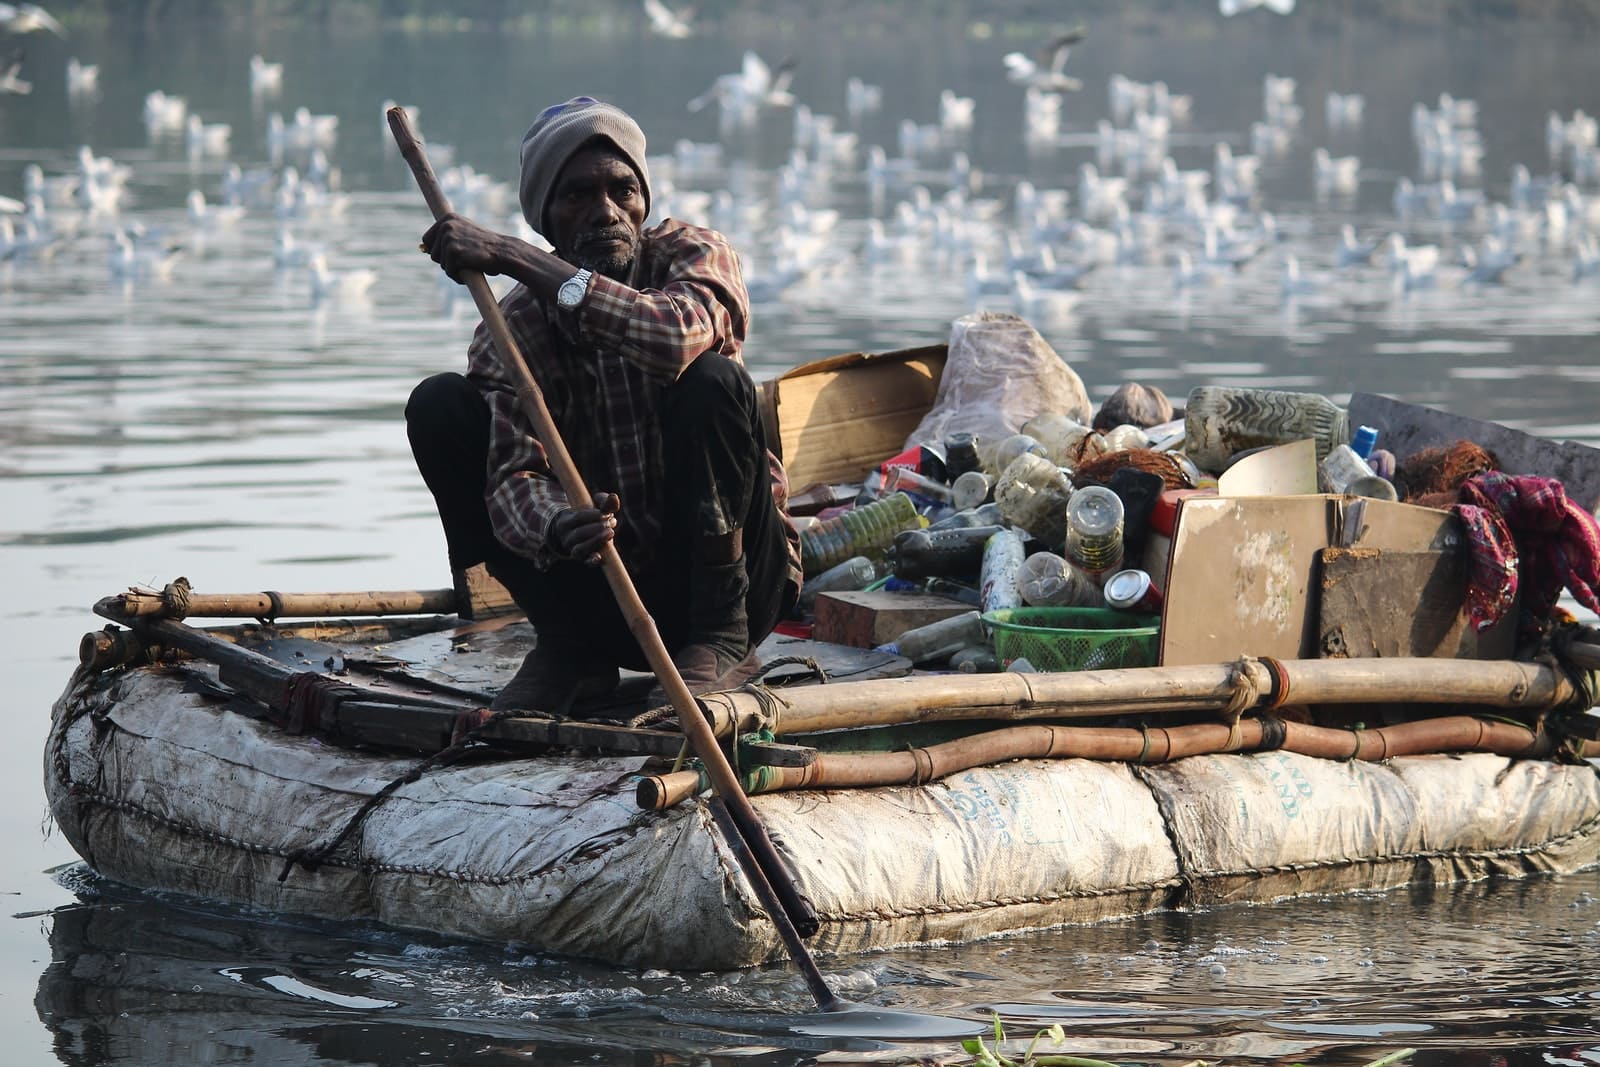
column 1014, row 493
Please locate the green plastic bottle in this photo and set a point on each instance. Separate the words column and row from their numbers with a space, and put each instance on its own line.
column 866, row 530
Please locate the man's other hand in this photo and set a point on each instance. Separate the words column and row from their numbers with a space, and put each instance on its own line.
column 580, row 533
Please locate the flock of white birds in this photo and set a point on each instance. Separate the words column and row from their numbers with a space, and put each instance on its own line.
column 1033, row 245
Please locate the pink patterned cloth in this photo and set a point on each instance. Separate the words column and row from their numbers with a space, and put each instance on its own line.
column 1521, row 526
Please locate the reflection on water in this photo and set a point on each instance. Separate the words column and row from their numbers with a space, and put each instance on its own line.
column 1453, row 972
column 219, row 418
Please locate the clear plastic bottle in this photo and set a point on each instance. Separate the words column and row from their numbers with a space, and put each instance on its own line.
column 906, row 480
column 997, row 579
column 970, row 489
column 864, row 530
column 942, row 639
column 1221, row 420
column 1012, row 447
column 1048, row 580
column 1032, row 494
column 1342, row 466
column 1059, row 434
column 1094, row 530
column 857, row 572
column 1126, row 436
column 982, row 515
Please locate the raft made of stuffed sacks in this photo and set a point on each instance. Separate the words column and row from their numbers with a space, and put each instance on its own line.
column 159, row 786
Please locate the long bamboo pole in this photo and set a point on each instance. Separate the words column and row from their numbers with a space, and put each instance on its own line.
column 1139, row 690
column 1155, row 744
column 759, row 852
column 143, row 603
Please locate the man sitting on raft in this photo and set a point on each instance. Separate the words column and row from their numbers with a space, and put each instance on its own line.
column 634, row 337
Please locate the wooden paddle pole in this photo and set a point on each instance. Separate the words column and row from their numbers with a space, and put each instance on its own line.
column 759, row 859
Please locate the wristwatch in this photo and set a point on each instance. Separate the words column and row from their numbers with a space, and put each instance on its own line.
column 572, row 291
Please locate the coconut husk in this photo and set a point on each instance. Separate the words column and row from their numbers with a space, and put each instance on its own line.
column 1432, row 476
column 1098, row 471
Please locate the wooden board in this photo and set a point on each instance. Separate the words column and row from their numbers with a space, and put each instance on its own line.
column 865, row 619
column 835, row 419
column 1376, row 603
column 1406, row 429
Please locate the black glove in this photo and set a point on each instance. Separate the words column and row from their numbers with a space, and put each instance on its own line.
column 580, row 533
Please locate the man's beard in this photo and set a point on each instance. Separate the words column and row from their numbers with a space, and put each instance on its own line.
column 617, row 266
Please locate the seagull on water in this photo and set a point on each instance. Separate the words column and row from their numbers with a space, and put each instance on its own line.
column 667, row 22
column 1353, row 252
column 1045, row 71
column 330, row 285
column 83, row 79
column 1230, row 8
column 265, row 78
column 1336, row 174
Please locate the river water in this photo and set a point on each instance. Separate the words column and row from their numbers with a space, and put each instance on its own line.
column 223, row 424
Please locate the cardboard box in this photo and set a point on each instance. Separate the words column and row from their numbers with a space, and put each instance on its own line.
column 834, row 419
column 1246, row 577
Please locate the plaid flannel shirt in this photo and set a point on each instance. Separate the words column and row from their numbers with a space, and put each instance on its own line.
column 602, row 370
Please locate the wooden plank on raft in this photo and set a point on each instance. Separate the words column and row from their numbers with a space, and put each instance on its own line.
column 864, row 619
column 833, row 420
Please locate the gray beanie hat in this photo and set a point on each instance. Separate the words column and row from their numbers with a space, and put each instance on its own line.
column 558, row 132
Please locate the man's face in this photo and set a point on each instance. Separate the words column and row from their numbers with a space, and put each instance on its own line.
column 596, row 212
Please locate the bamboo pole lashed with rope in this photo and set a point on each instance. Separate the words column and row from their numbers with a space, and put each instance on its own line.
column 1221, row 687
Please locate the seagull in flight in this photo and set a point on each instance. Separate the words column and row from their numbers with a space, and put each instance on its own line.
column 28, row 18
column 1045, row 71
column 667, row 22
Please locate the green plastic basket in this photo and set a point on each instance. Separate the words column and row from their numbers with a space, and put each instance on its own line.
column 1074, row 639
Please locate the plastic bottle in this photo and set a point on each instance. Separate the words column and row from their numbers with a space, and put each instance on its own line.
column 942, row 639
column 960, row 454
column 954, row 590
column 943, row 553
column 1342, row 466
column 982, row 515
column 1015, row 445
column 906, row 480
column 865, row 530
column 857, row 572
column 1222, row 420
column 1138, row 490
column 975, row 659
column 1002, row 560
column 1094, row 530
column 1032, row 494
column 970, row 489
column 1060, row 436
column 1048, row 580
column 1125, row 436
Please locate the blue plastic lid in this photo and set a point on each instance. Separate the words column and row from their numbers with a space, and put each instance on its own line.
column 1363, row 440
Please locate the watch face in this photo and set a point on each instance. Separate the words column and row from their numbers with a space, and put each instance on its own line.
column 570, row 294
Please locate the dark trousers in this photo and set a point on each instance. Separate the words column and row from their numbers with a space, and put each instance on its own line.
column 715, row 454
